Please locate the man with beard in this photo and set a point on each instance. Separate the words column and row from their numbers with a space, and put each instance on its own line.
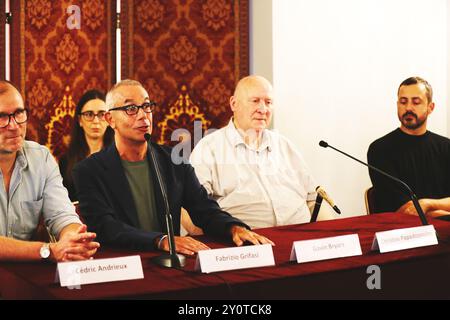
column 413, row 154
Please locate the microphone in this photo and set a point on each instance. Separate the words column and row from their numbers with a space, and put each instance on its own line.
column 172, row 259
column 413, row 197
column 327, row 198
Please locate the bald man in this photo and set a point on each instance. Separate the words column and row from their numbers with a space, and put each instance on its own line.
column 255, row 174
column 30, row 188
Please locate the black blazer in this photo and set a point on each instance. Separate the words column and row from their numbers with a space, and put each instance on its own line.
column 108, row 208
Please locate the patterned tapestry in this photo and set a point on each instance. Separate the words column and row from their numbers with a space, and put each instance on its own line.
column 189, row 55
column 59, row 58
column 2, row 45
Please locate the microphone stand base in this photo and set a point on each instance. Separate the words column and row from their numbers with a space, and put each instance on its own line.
column 170, row 261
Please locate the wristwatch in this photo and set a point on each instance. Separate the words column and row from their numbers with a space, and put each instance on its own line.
column 45, row 251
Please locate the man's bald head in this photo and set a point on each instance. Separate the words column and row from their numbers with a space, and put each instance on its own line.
column 252, row 81
column 252, row 103
column 6, row 86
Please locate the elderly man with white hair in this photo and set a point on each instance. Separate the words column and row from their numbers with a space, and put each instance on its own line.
column 255, row 174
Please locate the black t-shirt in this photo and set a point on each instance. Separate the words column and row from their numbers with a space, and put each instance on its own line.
column 422, row 162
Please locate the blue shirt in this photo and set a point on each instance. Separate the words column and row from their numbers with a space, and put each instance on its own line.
column 35, row 189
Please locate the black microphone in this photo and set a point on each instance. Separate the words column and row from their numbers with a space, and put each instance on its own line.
column 322, row 195
column 172, row 259
column 413, row 197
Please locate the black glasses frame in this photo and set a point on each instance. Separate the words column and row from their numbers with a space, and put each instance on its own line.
column 14, row 116
column 87, row 115
column 132, row 109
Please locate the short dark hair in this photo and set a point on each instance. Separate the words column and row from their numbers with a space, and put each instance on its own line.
column 416, row 80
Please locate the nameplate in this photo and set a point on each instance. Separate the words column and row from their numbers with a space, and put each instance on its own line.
column 326, row 248
column 71, row 274
column 401, row 239
column 215, row 260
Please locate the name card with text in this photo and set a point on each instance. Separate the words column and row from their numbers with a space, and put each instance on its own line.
column 326, row 248
column 235, row 258
column 96, row 271
column 401, row 239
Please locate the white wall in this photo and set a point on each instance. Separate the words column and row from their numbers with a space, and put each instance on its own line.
column 261, row 42
column 336, row 69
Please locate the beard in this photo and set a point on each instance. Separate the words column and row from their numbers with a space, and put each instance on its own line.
column 412, row 125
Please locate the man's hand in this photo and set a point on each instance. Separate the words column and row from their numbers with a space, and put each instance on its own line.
column 241, row 234
column 74, row 245
column 185, row 245
column 408, row 208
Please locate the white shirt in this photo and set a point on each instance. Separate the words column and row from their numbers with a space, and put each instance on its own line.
column 264, row 187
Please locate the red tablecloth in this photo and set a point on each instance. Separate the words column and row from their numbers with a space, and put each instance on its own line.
column 420, row 272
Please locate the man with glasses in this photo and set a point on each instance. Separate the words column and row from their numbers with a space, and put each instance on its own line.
column 31, row 187
column 120, row 197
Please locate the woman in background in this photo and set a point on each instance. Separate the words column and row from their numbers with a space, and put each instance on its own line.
column 90, row 133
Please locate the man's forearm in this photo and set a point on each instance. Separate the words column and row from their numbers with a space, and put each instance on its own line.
column 69, row 228
column 18, row 250
column 438, row 213
column 437, row 204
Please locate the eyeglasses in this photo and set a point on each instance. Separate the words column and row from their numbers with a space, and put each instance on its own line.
column 132, row 109
column 90, row 115
column 20, row 116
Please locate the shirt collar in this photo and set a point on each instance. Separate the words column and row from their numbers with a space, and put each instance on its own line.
column 21, row 159
column 236, row 139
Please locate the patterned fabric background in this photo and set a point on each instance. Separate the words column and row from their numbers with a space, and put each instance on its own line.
column 2, row 45
column 187, row 53
column 57, row 64
column 58, row 58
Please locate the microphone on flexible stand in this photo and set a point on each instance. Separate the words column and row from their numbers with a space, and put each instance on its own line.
column 327, row 198
column 171, row 259
column 413, row 197
column 322, row 195
column 316, row 210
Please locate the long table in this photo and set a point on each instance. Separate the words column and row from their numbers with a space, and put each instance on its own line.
column 414, row 273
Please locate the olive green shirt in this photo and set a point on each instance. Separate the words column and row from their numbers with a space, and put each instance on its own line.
column 140, row 180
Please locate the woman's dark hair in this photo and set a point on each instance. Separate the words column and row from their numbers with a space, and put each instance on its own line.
column 78, row 148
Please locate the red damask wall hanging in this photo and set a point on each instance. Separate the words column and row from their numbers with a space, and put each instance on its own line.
column 188, row 54
column 54, row 64
column 2, row 44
